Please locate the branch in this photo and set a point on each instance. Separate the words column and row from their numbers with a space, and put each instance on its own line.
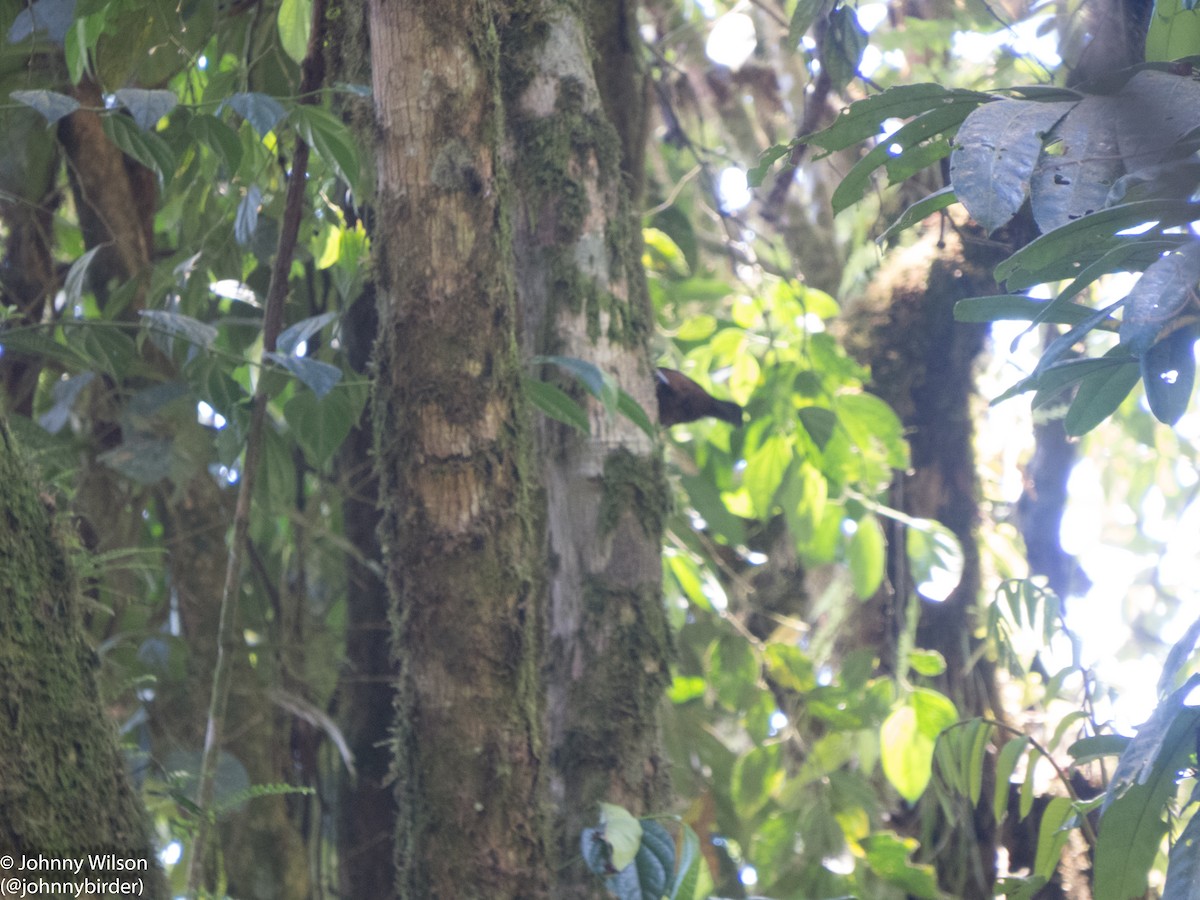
column 312, row 72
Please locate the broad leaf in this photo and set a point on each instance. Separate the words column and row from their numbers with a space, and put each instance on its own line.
column 1078, row 166
column 1165, row 289
column 1169, row 374
column 147, row 107
column 263, row 112
column 996, row 150
column 51, row 104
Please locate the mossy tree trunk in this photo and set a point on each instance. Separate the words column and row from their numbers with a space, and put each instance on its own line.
column 64, row 789
column 457, row 484
column 574, row 93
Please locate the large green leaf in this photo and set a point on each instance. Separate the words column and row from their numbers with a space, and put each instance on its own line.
column 863, row 118
column 1057, row 255
column 995, row 151
column 1074, row 180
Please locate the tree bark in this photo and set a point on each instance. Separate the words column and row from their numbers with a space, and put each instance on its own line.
column 64, row 791
column 577, row 246
column 459, row 531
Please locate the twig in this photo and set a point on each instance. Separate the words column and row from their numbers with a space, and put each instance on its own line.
column 228, row 645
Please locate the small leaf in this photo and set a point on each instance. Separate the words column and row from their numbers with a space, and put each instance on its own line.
column 622, row 832
column 1169, row 374
column 1006, row 762
column 907, row 740
column 919, row 212
column 556, row 404
column 319, row 377
column 51, row 17
column 219, row 138
column 245, row 222
column 843, row 48
column 863, row 118
column 867, row 556
column 295, row 24
column 805, row 13
column 295, row 335
column 1019, row 308
column 50, row 104
column 263, row 112
column 201, row 334
column 147, row 107
column 756, row 173
column 76, row 278
column 145, row 146
column 332, row 139
column 320, row 424
column 935, row 559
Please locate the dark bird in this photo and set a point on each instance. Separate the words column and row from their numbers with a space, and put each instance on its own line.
column 682, row 400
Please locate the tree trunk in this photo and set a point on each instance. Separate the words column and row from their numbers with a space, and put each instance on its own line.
column 65, row 792
column 577, row 243
column 459, row 531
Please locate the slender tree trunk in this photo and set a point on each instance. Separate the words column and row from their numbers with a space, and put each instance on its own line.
column 577, row 244
column 64, row 791
column 452, row 449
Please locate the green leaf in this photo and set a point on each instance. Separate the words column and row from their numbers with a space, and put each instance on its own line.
column 1017, row 307
column 863, row 118
column 1174, row 31
column 919, row 212
column 805, row 13
column 50, row 104
column 262, row 111
column 935, row 559
column 1169, row 374
column 622, row 832
column 908, row 138
column 320, row 424
column 295, row 24
column 294, row 335
column 907, row 740
column 757, row 775
column 1183, row 865
column 1099, row 395
column 1089, row 749
column 1057, row 255
column 193, row 331
column 320, row 377
column 147, row 107
column 1053, row 835
column 219, row 138
column 764, row 472
column 634, row 412
column 691, row 864
column 888, row 856
column 995, row 152
column 1131, row 833
column 1165, row 289
column 867, row 555
column 929, row 663
column 556, row 404
column 332, row 139
column 843, row 47
column 76, row 278
column 756, row 173
column 1006, row 762
column 647, row 876
column 145, row 146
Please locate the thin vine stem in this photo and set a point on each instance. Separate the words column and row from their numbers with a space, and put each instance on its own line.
column 228, row 645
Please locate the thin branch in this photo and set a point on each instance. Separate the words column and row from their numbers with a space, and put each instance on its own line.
column 228, row 645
